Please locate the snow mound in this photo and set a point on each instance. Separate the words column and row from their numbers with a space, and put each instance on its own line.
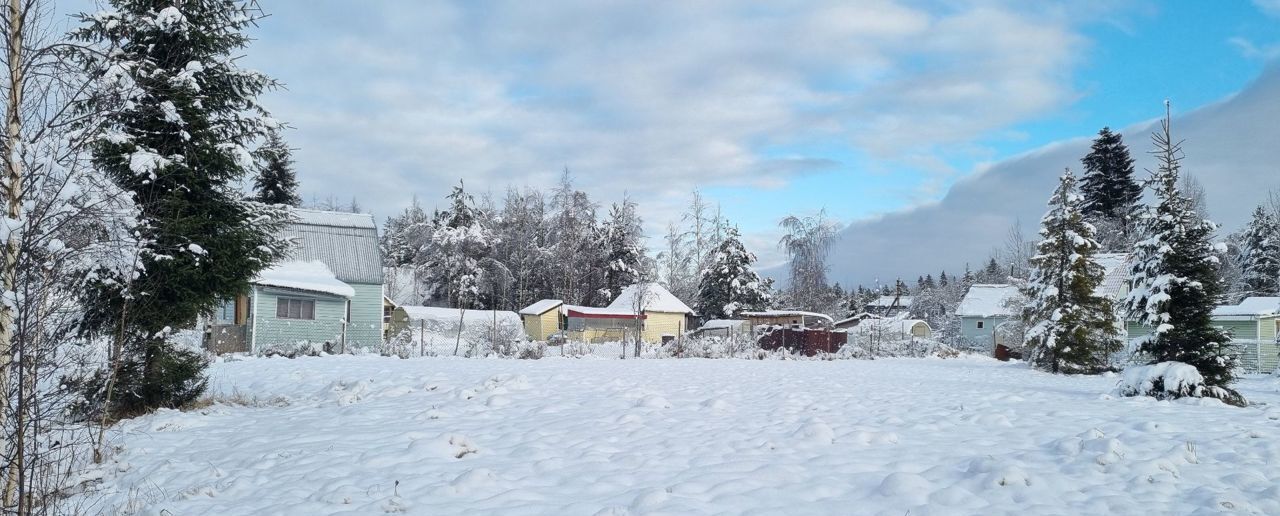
column 1171, row 380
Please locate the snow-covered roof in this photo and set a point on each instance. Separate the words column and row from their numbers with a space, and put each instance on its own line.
column 595, row 310
column 450, row 315
column 1116, row 275
column 1251, row 306
column 541, row 307
column 987, row 300
column 311, row 276
column 887, row 301
column 337, row 219
column 656, row 299
column 788, row 313
column 346, row 242
column 716, row 324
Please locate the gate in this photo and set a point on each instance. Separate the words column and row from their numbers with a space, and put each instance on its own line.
column 227, row 338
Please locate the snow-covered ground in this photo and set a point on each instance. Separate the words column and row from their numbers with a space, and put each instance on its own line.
column 367, row 434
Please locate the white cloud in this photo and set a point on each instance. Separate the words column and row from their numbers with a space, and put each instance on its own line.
column 1270, row 7
column 403, row 97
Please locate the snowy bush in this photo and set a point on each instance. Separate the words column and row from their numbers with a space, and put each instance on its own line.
column 1171, row 380
column 867, row 346
column 302, row 348
column 503, row 339
column 712, row 346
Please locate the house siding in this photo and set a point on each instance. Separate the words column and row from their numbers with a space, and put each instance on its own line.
column 1239, row 330
column 365, row 329
column 269, row 332
column 540, row 327
column 657, row 324
column 979, row 336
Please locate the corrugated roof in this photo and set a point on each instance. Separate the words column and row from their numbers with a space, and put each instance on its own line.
column 346, row 242
column 1116, row 275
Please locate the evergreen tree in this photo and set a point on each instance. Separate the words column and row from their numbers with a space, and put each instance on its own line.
column 405, row 236
column 461, row 247
column 729, row 285
column 992, row 273
column 1110, row 192
column 942, row 279
column 1071, row 327
column 1261, row 255
column 929, row 284
column 276, row 182
column 181, row 115
column 624, row 251
column 1175, row 279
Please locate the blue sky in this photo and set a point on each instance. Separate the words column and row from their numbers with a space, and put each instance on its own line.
column 862, row 107
column 1191, row 52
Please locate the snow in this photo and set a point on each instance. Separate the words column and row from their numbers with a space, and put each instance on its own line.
column 788, row 313
column 891, row 301
column 656, row 299
column 369, row 435
column 334, row 218
column 541, row 307
column 450, row 315
column 312, row 276
column 1251, row 306
column 986, row 300
column 716, row 324
column 592, row 310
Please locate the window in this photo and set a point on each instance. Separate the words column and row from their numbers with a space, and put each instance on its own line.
column 226, row 312
column 979, row 325
column 295, row 308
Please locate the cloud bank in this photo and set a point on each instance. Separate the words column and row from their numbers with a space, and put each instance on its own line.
column 1229, row 146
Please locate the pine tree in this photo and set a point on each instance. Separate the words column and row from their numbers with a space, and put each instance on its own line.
column 276, row 182
column 1175, row 278
column 182, row 114
column 624, row 250
column 1071, row 327
column 461, row 245
column 1110, row 192
column 729, row 285
column 1261, row 254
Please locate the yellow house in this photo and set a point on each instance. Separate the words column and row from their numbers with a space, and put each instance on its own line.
column 664, row 314
column 542, row 319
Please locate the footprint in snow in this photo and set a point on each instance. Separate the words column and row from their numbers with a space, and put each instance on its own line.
column 653, row 401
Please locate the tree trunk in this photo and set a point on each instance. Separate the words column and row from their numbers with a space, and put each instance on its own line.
column 12, row 191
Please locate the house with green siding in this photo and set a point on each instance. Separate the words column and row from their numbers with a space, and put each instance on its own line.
column 327, row 293
column 1252, row 325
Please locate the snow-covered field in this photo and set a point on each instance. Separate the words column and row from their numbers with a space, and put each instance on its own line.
column 367, row 435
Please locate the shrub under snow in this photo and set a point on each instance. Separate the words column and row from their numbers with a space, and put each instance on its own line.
column 1170, row 380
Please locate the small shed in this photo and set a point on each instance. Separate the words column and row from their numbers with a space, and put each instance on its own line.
column 854, row 320
column 789, row 318
column 542, row 319
column 984, row 308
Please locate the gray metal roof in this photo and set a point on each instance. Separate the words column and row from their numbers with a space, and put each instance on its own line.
column 346, row 242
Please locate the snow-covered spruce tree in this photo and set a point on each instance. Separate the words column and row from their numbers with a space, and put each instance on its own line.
column 624, row 251
column 1111, row 194
column 1175, row 283
column 182, row 114
column 1069, row 326
column 729, row 285
column 276, row 182
column 1261, row 255
column 461, row 242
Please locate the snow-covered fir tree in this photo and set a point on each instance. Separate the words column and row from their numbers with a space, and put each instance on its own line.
column 729, row 285
column 624, row 249
column 1260, row 254
column 276, row 182
column 1111, row 194
column 182, row 114
column 461, row 246
column 1070, row 327
column 1175, row 281
column 405, row 235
